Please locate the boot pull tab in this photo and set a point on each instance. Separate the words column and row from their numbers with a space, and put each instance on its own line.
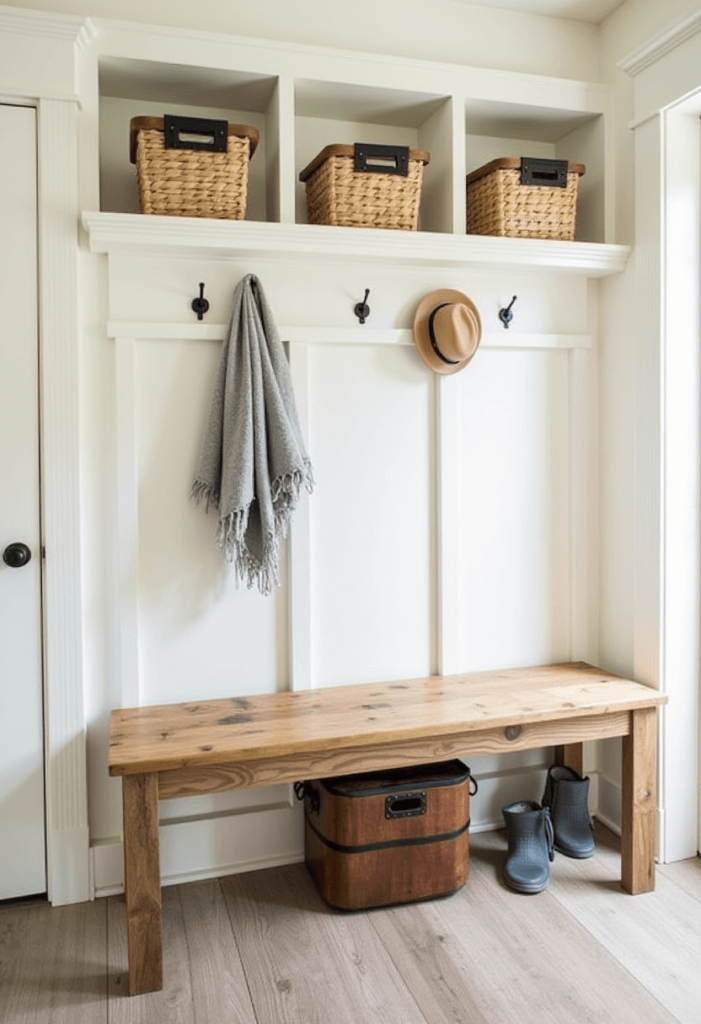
column 549, row 833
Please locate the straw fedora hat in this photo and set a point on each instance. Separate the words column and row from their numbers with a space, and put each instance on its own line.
column 447, row 330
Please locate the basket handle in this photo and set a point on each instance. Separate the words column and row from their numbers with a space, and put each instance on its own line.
column 381, row 159
column 195, row 133
column 535, row 171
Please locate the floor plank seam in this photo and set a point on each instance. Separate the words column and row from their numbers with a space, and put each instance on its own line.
column 107, row 962
column 388, row 951
column 238, row 949
column 189, row 954
column 110, row 966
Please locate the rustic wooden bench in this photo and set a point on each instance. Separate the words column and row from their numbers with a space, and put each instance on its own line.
column 209, row 746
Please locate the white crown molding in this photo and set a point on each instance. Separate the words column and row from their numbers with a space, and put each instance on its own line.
column 42, row 23
column 267, row 46
column 87, row 33
column 660, row 45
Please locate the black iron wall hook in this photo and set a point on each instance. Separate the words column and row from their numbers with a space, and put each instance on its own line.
column 505, row 315
column 200, row 304
column 362, row 310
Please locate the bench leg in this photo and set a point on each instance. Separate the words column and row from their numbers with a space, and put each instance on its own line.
column 571, row 754
column 142, row 882
column 639, row 803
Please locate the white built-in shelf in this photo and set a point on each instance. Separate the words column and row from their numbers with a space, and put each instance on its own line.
column 185, row 236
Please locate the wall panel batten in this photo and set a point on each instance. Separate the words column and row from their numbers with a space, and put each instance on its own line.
column 448, row 525
column 128, row 520
column 300, row 583
column 582, row 503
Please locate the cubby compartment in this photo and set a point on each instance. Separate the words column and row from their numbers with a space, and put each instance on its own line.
column 496, row 129
column 237, row 97
column 304, row 100
column 328, row 113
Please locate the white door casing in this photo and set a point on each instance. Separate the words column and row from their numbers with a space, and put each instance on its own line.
column 39, row 56
column 22, row 836
column 667, row 106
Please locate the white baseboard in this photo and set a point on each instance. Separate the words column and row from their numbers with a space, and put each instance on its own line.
column 237, row 839
column 486, row 826
column 107, row 867
column 196, row 848
column 108, row 872
column 612, row 826
column 69, row 875
column 608, row 804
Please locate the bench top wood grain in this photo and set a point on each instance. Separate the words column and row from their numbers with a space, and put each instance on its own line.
column 246, row 729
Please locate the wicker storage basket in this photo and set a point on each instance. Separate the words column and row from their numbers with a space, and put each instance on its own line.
column 365, row 186
column 192, row 167
column 524, row 198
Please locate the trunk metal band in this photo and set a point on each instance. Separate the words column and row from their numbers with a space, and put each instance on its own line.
column 368, row 847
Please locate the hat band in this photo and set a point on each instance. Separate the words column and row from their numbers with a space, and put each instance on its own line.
column 432, row 336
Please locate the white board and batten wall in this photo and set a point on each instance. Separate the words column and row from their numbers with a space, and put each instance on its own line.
column 453, row 520
column 448, row 530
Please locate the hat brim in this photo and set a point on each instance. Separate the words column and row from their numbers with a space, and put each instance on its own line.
column 422, row 338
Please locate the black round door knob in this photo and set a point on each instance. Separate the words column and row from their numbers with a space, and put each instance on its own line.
column 16, row 555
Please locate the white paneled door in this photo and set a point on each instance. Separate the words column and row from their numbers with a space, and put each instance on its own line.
column 22, row 841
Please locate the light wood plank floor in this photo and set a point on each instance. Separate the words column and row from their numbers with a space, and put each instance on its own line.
column 582, row 951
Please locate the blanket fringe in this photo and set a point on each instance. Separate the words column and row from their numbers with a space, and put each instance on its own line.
column 231, row 538
column 285, row 489
column 231, row 535
column 202, row 492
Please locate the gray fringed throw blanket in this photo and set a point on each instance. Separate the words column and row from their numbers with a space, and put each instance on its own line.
column 253, row 462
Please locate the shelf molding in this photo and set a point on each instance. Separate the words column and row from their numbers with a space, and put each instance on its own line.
column 187, row 236
column 146, row 330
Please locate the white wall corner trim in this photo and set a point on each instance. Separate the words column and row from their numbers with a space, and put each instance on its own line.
column 649, row 53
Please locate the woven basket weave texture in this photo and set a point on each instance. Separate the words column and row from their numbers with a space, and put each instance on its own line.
column 339, row 195
column 497, row 204
column 192, row 183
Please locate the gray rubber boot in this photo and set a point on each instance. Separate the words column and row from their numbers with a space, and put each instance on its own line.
column 530, row 834
column 567, row 794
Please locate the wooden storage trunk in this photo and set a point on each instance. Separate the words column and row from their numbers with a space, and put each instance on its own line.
column 524, row 197
column 389, row 837
column 192, row 167
column 365, row 186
